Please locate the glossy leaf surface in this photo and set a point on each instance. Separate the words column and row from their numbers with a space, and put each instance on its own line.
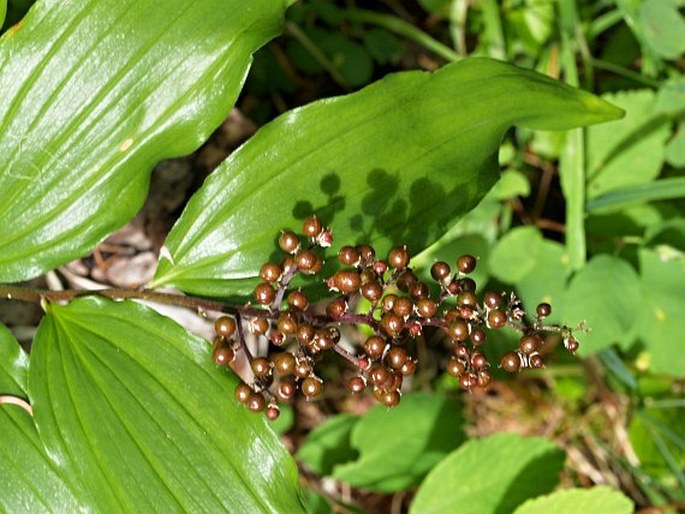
column 397, row 162
column 137, row 415
column 30, row 482
column 94, row 93
column 490, row 476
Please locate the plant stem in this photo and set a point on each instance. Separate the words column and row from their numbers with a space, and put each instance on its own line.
column 402, row 28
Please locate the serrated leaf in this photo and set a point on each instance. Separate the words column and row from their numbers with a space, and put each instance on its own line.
column 597, row 500
column 630, row 151
column 139, row 419
column 329, row 444
column 398, row 162
column 662, row 278
column 606, row 296
column 425, row 428
column 30, row 481
column 94, row 93
column 490, row 475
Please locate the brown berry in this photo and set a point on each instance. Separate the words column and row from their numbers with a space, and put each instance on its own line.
column 224, row 326
column 398, row 258
column 289, row 242
column 366, row 252
column 261, row 367
column 336, row 309
column 242, row 392
column 256, row 402
column 374, row 346
column 356, row 384
column 311, row 387
column 467, row 299
column 306, row 260
column 456, row 367
column 403, row 307
column 426, row 308
column 405, row 280
column 478, row 336
column 259, row 326
column 311, row 226
column 466, row 264
column 264, row 294
column 536, row 361
column 372, row 291
column 348, row 256
column 418, row 290
column 440, row 271
column 396, row 357
column 287, row 323
column 270, row 272
column 287, row 390
column 458, row 330
column 380, row 376
column 543, row 310
column 302, row 368
column 484, row 378
column 272, row 412
column 479, row 361
column 390, row 398
column 222, row 351
column 298, row 300
column 462, row 351
column 284, row 363
column 571, row 344
column 391, row 324
column 408, row 368
column 347, row 281
column 510, row 362
column 388, row 302
column 496, row 318
column 305, row 334
column 492, row 299
column 529, row 343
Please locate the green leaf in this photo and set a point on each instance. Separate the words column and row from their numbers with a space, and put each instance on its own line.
column 654, row 432
column 490, row 476
column 675, row 149
column 670, row 99
column 537, row 267
column 29, row 478
column 597, row 500
column 140, row 419
column 94, row 93
column 630, row 151
column 329, row 444
column 662, row 275
column 664, row 27
column 606, row 296
column 398, row 447
column 397, row 162
column 619, row 199
column 3, row 12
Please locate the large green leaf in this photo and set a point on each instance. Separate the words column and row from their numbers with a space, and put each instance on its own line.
column 398, row 162
column 662, row 274
column 94, row 93
column 30, row 481
column 490, row 476
column 398, row 448
column 132, row 408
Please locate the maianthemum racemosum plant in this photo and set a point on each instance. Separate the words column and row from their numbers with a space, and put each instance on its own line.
column 124, row 409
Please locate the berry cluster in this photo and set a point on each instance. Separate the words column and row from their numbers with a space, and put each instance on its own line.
column 400, row 308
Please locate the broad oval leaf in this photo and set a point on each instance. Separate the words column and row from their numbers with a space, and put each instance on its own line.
column 597, row 500
column 30, row 482
column 141, row 420
column 425, row 428
column 490, row 476
column 397, row 162
column 94, row 93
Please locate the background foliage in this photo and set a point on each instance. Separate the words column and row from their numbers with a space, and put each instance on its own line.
column 592, row 220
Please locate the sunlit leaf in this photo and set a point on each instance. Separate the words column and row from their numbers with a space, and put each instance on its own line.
column 490, row 476
column 137, row 415
column 398, row 162
column 597, row 500
column 425, row 428
column 94, row 93
column 30, row 481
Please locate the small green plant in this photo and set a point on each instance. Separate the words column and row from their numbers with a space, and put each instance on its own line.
column 118, row 408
